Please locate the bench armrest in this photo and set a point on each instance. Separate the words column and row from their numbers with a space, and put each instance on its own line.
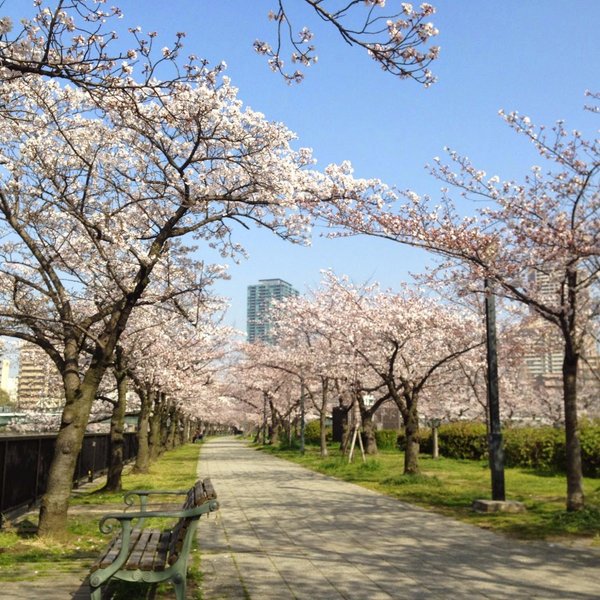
column 126, row 518
column 142, row 496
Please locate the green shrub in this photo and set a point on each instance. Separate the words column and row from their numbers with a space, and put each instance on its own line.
column 463, row 440
column 312, row 432
column 387, row 439
column 534, row 447
column 540, row 448
column 425, row 440
column 590, row 450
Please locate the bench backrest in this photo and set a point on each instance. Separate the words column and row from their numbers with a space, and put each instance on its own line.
column 199, row 493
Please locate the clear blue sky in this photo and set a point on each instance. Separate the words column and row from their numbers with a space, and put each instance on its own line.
column 534, row 56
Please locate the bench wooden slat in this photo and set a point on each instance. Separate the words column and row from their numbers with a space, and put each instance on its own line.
column 135, row 554
column 114, row 548
column 160, row 560
column 147, row 559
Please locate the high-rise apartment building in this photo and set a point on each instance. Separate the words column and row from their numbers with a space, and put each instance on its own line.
column 37, row 373
column 260, row 297
column 8, row 383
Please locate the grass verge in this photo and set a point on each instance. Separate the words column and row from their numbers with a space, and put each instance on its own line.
column 449, row 487
column 24, row 556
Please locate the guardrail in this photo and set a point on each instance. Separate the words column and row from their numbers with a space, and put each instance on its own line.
column 25, row 463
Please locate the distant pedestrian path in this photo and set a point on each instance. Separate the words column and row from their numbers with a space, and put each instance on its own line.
column 286, row 532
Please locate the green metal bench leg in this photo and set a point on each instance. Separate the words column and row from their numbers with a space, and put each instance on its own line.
column 95, row 593
column 179, row 584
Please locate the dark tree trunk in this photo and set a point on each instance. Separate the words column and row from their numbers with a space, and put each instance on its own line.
column 323, row 417
column 273, row 426
column 142, row 460
column 171, row 429
column 117, row 427
column 79, row 397
column 158, row 426
column 164, row 427
column 184, row 430
column 411, row 428
column 345, row 444
column 369, row 433
column 575, row 497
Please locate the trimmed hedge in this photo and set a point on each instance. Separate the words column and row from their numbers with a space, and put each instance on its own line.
column 312, row 432
column 535, row 447
column 590, row 450
column 463, row 440
column 540, row 448
column 387, row 439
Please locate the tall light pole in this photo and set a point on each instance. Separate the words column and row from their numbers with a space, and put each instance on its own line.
column 493, row 396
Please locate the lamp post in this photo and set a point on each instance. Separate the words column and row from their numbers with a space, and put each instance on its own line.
column 493, row 397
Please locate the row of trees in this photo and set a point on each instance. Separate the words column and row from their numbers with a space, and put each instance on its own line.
column 116, row 163
column 346, row 345
column 119, row 166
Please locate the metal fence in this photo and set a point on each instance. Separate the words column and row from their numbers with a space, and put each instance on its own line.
column 25, row 464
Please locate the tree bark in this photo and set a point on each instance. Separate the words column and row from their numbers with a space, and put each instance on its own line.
column 142, row 460
column 117, row 427
column 79, row 397
column 369, row 433
column 273, row 426
column 411, row 428
column 171, row 429
column 575, row 496
column 157, row 425
column 323, row 417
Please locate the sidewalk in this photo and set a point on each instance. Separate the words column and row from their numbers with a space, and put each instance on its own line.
column 286, row 532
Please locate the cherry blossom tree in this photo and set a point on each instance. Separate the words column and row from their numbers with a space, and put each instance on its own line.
column 536, row 241
column 368, row 342
column 405, row 340
column 95, row 208
column 99, row 183
column 311, row 342
column 393, row 36
column 73, row 40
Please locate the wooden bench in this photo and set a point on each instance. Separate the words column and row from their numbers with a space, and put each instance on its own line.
column 152, row 555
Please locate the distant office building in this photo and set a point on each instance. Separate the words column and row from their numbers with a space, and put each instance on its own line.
column 260, row 297
column 37, row 379
column 8, row 383
column 546, row 356
column 4, row 382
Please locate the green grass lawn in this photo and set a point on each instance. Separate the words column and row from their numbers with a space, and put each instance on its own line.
column 449, row 486
column 24, row 555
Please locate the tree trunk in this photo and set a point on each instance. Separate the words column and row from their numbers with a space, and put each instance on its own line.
column 158, row 426
column 575, row 497
column 323, row 417
column 323, row 426
column 117, row 427
column 164, row 428
column 411, row 428
column 273, row 426
column 435, row 450
column 184, row 428
column 79, row 398
column 345, row 444
column 142, row 460
column 369, row 433
column 171, row 429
